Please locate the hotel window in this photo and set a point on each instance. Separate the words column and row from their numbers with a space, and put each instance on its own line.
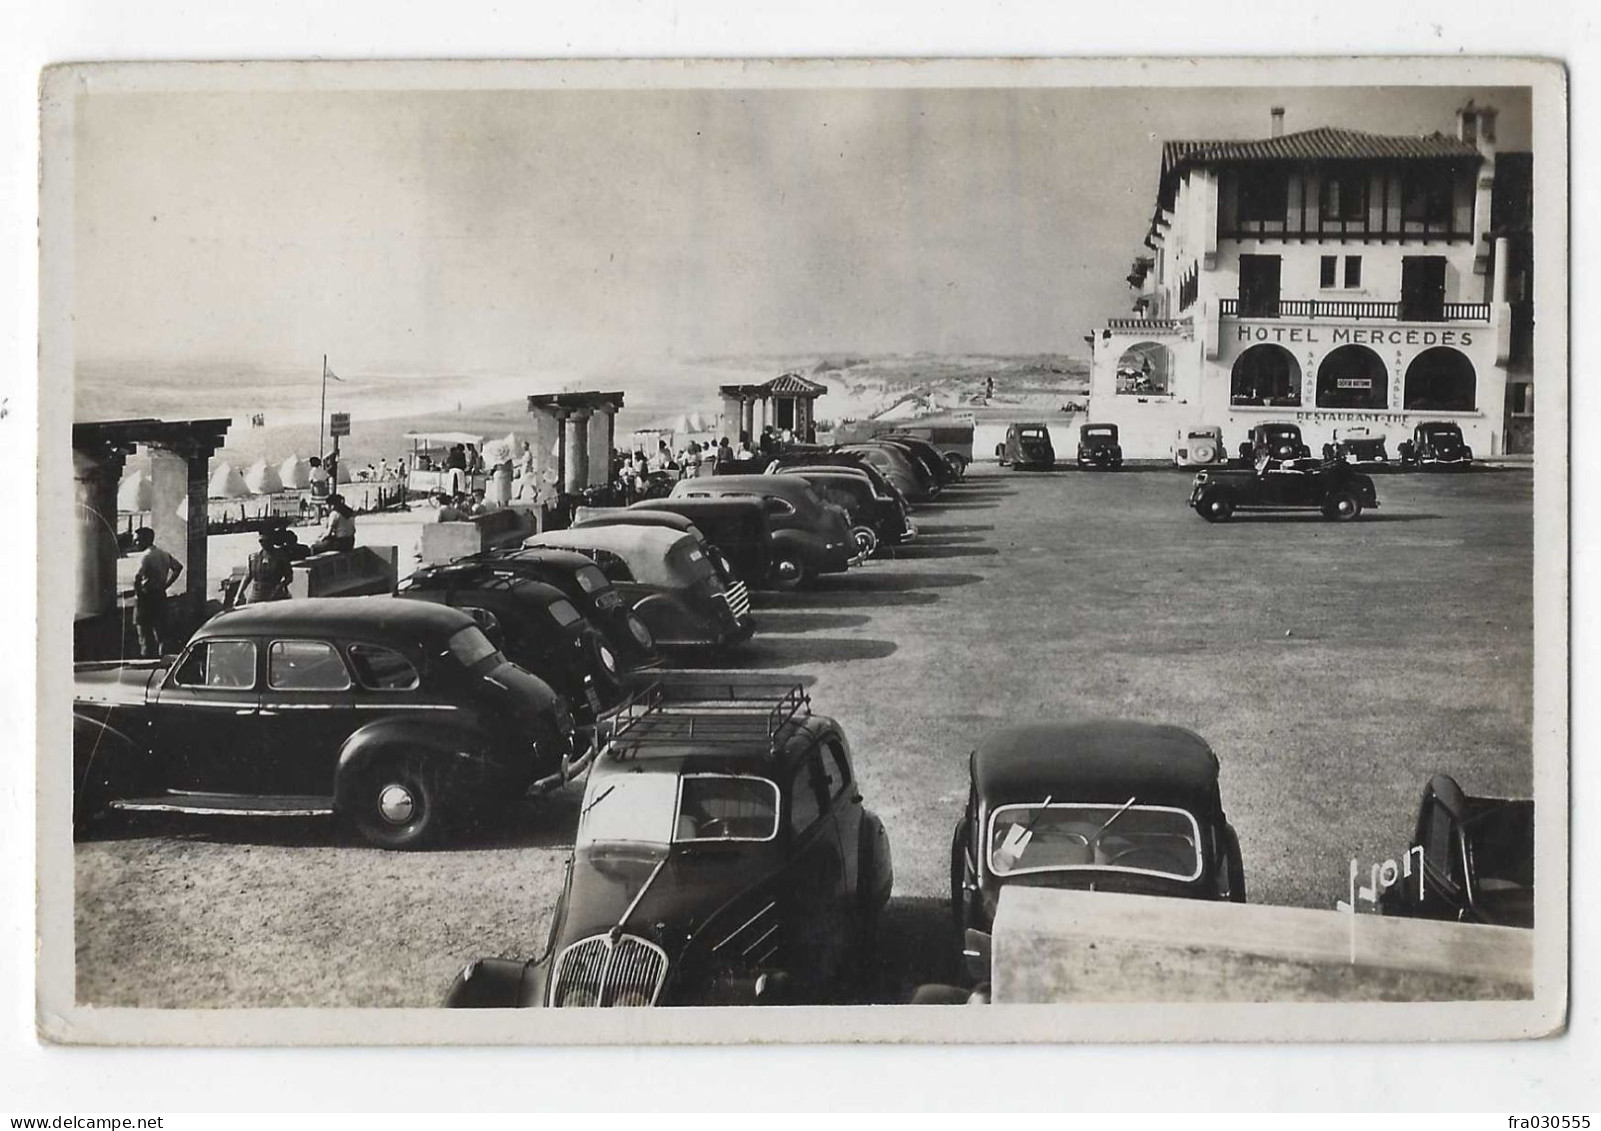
column 1353, row 271
column 1345, row 197
column 1426, row 196
column 1264, row 195
column 1327, row 273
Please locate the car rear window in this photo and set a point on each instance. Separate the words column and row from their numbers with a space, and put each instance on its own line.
column 381, row 669
column 591, row 580
column 564, row 613
column 1031, row 433
column 471, row 647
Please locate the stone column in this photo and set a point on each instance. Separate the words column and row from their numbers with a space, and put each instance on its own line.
column 599, row 447
column 747, row 417
column 578, row 451
column 546, row 438
column 178, row 517
column 95, row 478
column 733, row 418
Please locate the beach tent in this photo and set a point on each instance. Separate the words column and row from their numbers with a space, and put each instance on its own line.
column 135, row 492
column 496, row 452
column 262, row 478
column 295, row 473
column 344, row 472
column 227, row 483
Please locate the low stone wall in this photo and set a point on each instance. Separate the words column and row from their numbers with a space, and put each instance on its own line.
column 1078, row 946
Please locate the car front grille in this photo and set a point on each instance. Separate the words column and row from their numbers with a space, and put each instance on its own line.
column 599, row 972
column 738, row 598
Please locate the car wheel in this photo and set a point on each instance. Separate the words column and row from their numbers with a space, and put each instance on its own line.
column 640, row 631
column 866, row 541
column 957, row 464
column 1342, row 506
column 603, row 663
column 1216, row 507
column 395, row 804
column 789, row 572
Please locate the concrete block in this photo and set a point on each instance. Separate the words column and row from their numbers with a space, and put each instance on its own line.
column 1078, row 946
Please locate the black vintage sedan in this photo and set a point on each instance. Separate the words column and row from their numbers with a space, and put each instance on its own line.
column 591, row 593
column 1100, row 805
column 723, row 857
column 1436, row 443
column 537, row 627
column 1098, row 447
column 394, row 715
column 1274, row 442
column 1334, row 489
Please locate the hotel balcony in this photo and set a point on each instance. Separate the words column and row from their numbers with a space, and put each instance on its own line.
column 1356, row 310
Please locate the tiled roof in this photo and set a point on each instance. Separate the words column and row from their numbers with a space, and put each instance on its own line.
column 792, row 384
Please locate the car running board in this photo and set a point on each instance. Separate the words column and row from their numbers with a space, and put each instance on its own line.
column 227, row 805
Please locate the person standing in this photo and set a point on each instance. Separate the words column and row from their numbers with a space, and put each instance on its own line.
column 267, row 574
column 157, row 571
column 319, row 478
column 341, row 531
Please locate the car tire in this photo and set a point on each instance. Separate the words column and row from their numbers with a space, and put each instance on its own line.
column 395, row 804
column 1342, row 506
column 608, row 676
column 789, row 571
column 957, row 464
column 865, row 539
column 1215, row 507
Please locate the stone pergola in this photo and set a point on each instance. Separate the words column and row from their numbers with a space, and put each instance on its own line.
column 573, row 426
column 180, row 456
column 786, row 402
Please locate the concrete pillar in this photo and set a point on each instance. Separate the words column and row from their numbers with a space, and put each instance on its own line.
column 547, row 433
column 1498, row 287
column 560, row 415
column 178, row 517
column 747, row 417
column 95, row 478
column 578, row 451
column 599, row 447
column 733, row 418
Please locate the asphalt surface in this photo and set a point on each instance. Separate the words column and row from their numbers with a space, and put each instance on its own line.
column 1333, row 668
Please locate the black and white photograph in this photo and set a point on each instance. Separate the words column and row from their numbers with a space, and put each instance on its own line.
column 723, row 552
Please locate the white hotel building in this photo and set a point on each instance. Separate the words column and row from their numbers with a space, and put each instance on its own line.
column 1329, row 278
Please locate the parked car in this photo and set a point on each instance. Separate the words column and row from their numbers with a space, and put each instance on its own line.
column 1359, row 446
column 737, row 527
column 1102, row 805
column 1199, row 447
column 930, row 457
column 877, row 519
column 1027, row 447
column 789, row 461
column 953, row 441
column 1435, row 443
column 1274, row 442
column 535, row 625
column 394, row 715
column 587, row 518
column 1098, row 447
column 723, row 856
column 667, row 579
column 581, row 580
column 810, row 537
column 1472, row 860
column 1333, row 488
column 898, row 465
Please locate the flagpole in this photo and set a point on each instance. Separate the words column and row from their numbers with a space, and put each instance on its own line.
column 322, row 420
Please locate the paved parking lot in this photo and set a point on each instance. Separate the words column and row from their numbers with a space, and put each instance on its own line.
column 1332, row 667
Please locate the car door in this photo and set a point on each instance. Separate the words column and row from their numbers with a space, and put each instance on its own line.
column 307, row 711
column 817, row 876
column 205, row 718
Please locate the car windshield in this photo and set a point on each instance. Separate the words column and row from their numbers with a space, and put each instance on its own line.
column 665, row 809
column 1147, row 839
column 471, row 647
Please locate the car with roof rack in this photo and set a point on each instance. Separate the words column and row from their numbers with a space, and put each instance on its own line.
column 723, row 857
column 396, row 716
column 1097, row 805
column 667, row 578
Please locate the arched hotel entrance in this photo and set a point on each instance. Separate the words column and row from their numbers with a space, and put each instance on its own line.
column 1353, row 377
column 1441, row 380
column 1265, row 375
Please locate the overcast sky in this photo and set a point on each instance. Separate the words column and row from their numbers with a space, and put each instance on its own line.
column 420, row 232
